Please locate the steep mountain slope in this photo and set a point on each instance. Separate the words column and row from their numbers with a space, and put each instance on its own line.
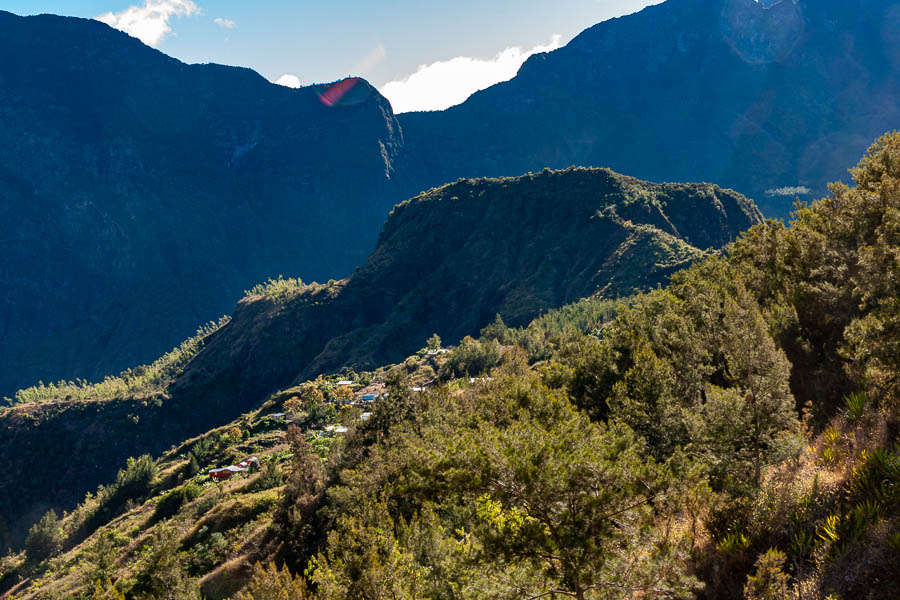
column 759, row 97
column 447, row 261
column 137, row 191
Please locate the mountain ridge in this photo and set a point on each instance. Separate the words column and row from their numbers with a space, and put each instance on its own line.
column 450, row 259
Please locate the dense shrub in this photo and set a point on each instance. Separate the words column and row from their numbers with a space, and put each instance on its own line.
column 270, row 477
column 44, row 538
column 769, row 582
column 472, row 357
column 162, row 572
column 132, row 483
column 173, row 500
column 270, row 583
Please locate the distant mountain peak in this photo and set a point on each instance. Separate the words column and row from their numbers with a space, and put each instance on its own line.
column 747, row 95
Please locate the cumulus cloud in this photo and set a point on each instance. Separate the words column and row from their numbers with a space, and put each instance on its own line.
column 446, row 83
column 150, row 22
column 288, row 80
column 224, row 23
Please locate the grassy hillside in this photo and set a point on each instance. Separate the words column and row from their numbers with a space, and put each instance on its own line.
column 216, row 531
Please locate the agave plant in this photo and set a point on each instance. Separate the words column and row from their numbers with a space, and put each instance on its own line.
column 893, row 541
column 832, row 451
column 876, row 477
column 802, row 544
column 733, row 542
column 855, row 406
column 829, row 532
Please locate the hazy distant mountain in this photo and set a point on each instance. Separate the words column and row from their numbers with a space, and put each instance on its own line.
column 759, row 97
column 140, row 196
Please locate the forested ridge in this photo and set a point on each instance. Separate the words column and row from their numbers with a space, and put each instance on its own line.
column 730, row 435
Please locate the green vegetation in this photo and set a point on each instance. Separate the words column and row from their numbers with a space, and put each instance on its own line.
column 271, row 477
column 44, row 538
column 732, row 435
column 162, row 572
column 471, row 357
column 769, row 582
column 173, row 500
column 143, row 380
column 270, row 583
column 495, row 490
column 277, row 290
column 132, row 483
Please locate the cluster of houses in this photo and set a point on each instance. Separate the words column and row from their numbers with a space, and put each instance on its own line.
column 367, row 396
column 227, row 472
column 363, row 398
column 336, row 429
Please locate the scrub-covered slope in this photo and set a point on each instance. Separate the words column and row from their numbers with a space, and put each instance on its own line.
column 447, row 261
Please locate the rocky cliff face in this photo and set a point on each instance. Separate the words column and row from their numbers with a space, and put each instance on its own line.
column 773, row 99
column 139, row 196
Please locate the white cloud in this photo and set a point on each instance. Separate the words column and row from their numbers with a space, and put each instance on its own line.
column 288, row 80
column 224, row 23
column 446, row 83
column 150, row 22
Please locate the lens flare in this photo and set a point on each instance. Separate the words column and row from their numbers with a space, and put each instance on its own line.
column 338, row 90
column 761, row 32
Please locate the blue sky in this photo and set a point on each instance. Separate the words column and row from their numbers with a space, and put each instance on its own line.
column 421, row 55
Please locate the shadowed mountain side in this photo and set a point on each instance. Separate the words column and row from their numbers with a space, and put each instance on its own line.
column 139, row 195
column 772, row 99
